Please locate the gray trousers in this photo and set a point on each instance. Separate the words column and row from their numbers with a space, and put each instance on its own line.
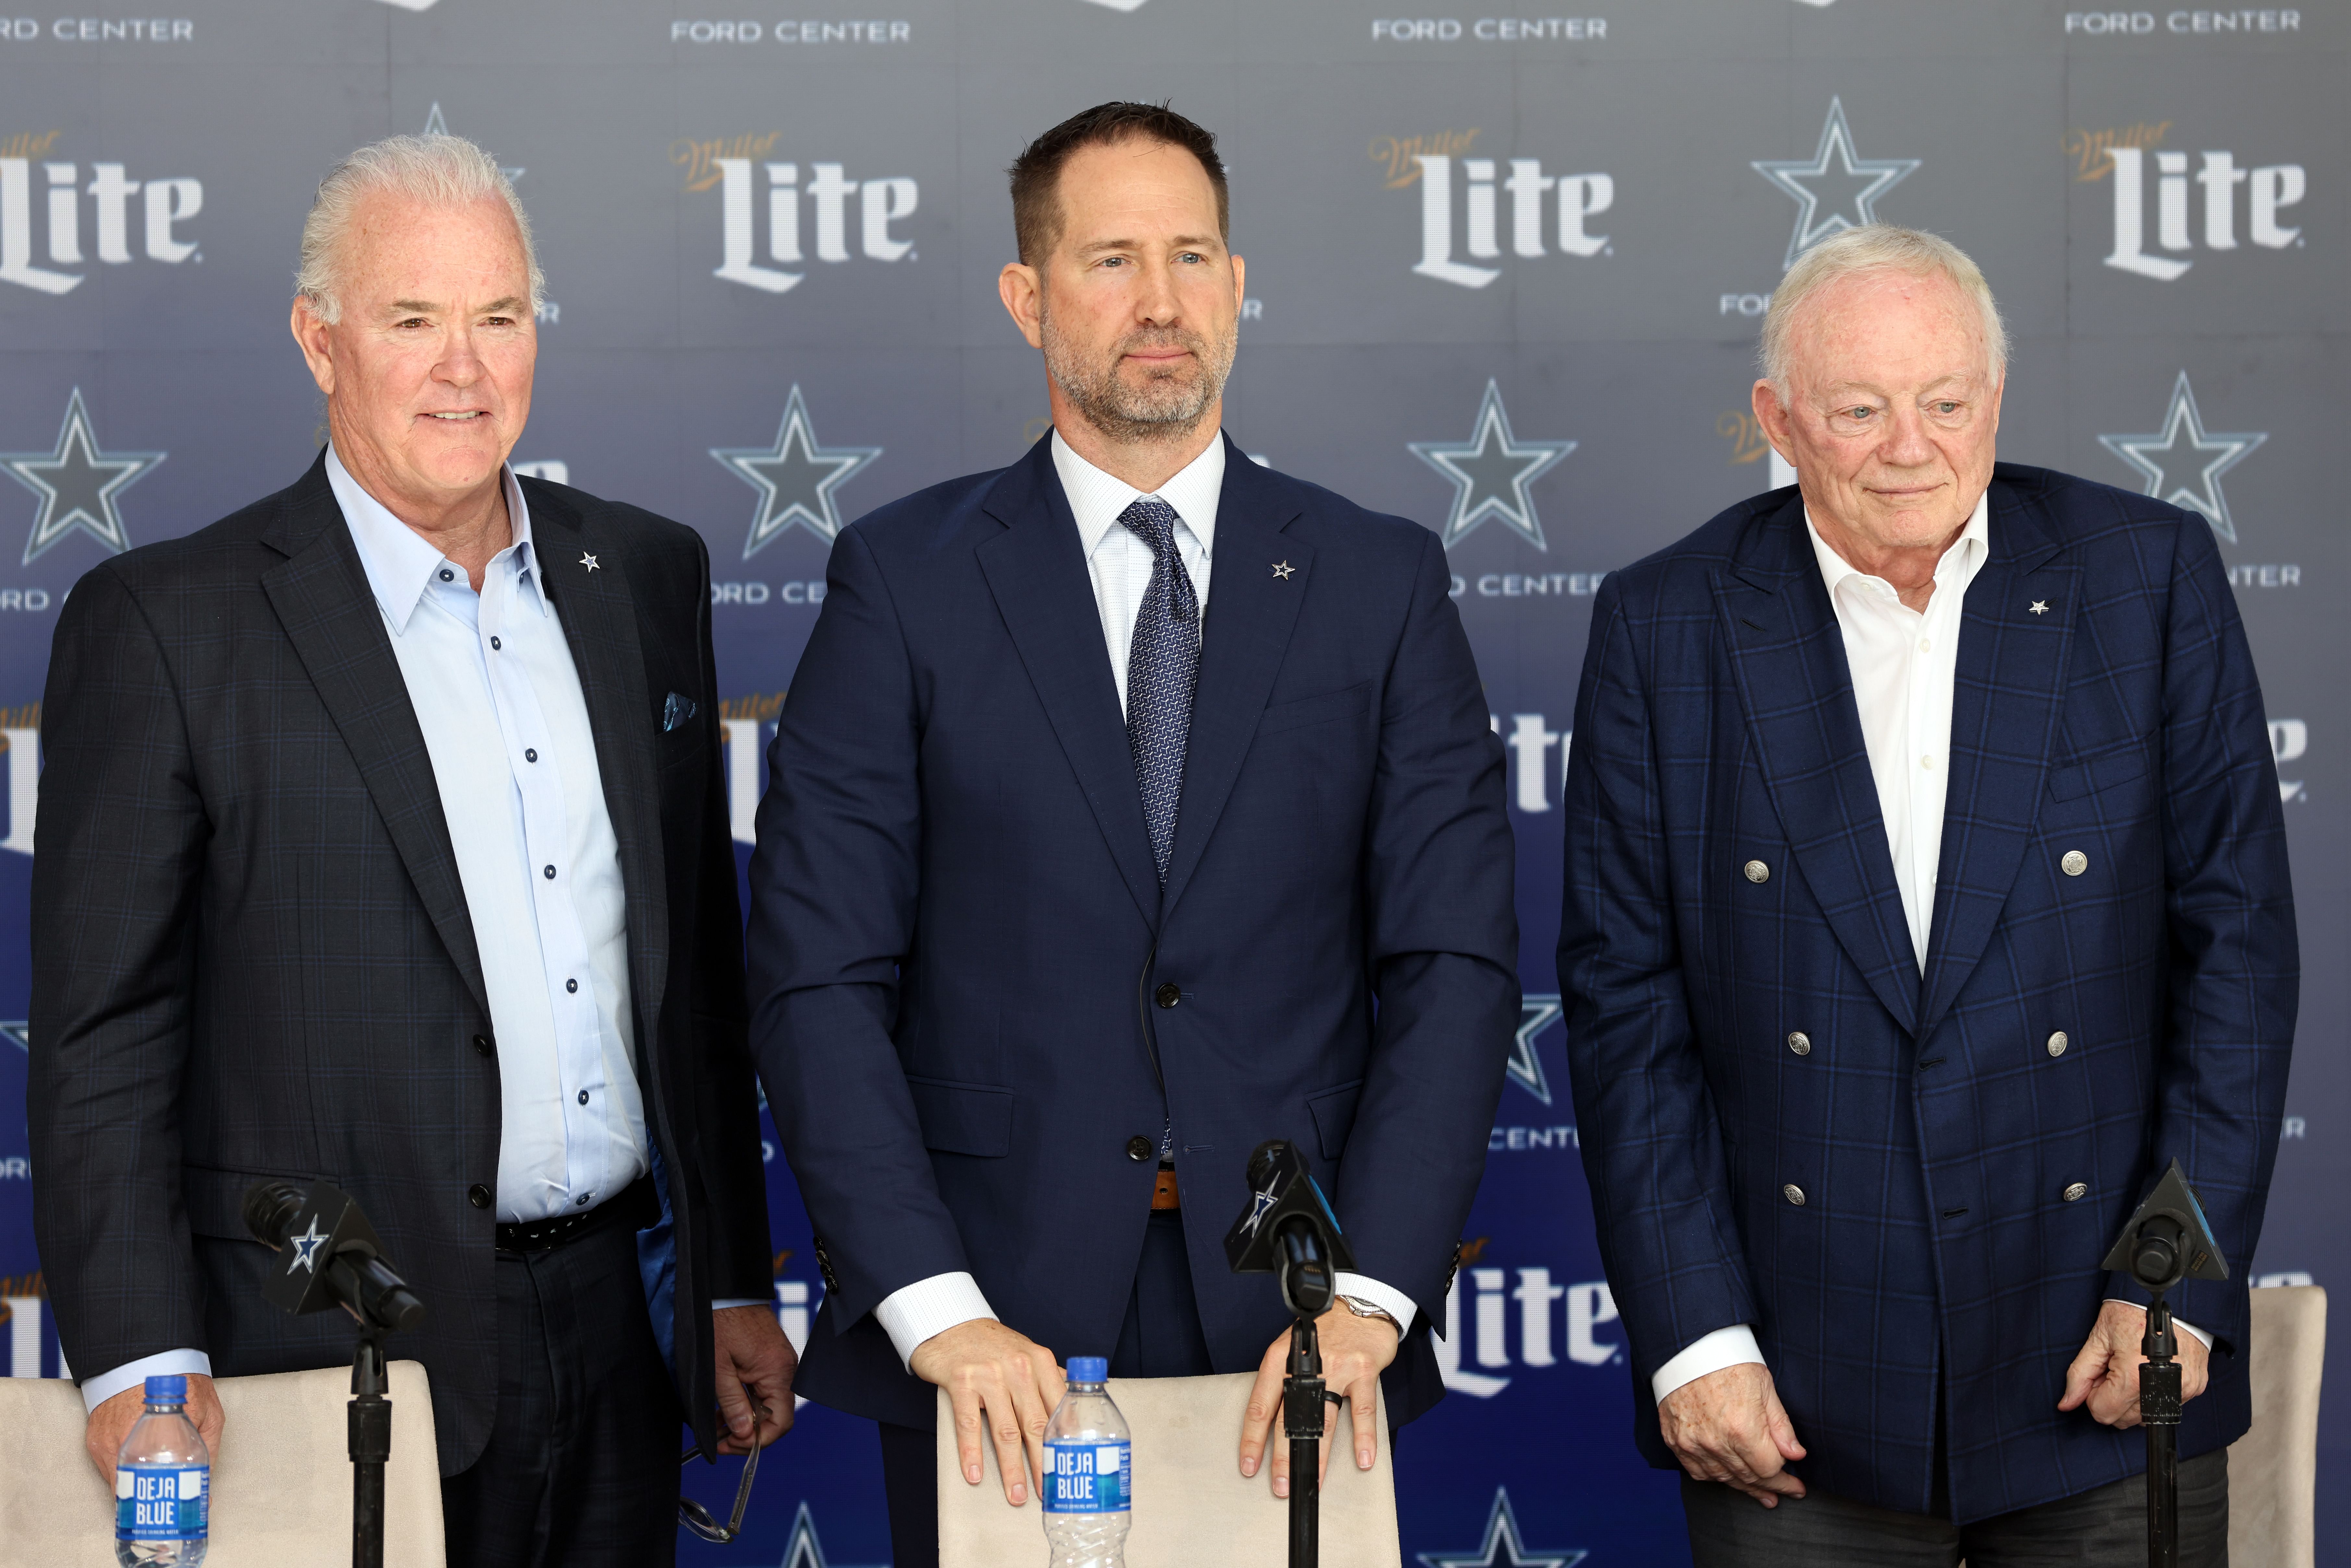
column 2102, row 1528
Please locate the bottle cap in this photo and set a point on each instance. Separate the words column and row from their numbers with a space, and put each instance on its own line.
column 170, row 1388
column 1089, row 1368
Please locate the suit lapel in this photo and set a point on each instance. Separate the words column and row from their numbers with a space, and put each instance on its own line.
column 600, row 622
column 2004, row 712
column 321, row 598
column 1037, row 573
column 1787, row 656
column 1249, row 617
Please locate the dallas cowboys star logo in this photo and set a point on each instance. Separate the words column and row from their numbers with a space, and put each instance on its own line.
column 1847, row 187
column 795, row 478
column 17, row 1030
column 78, row 483
column 1491, row 473
column 1258, row 1204
column 2168, row 469
column 1503, row 1546
column 305, row 1249
column 1536, row 1014
column 803, row 1550
column 436, row 125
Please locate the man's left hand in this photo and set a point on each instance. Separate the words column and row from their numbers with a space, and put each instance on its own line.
column 1355, row 1351
column 755, row 1365
column 2105, row 1373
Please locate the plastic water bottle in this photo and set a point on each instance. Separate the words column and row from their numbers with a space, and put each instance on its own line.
column 163, row 1484
column 1089, row 1473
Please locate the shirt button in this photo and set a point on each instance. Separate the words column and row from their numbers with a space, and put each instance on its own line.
column 1168, row 996
column 1925, row 646
column 478, row 1195
column 1758, row 871
column 2057, row 1043
column 1138, row 1148
column 583, row 1096
column 571, row 985
column 482, row 1044
column 2078, row 1191
column 2074, row 863
column 448, row 576
column 496, row 645
column 531, row 755
column 1927, row 761
column 1794, row 1194
column 548, row 872
column 1800, row 1043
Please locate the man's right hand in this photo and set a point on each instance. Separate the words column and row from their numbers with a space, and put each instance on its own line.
column 1729, row 1427
column 112, row 1422
column 1001, row 1383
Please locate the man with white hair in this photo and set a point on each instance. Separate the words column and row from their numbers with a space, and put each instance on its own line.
column 1926, row 897
column 382, row 843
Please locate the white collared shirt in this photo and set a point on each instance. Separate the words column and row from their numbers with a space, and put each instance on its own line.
column 1905, row 664
column 1120, row 564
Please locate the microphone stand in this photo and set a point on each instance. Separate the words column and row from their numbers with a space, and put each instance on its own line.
column 2158, row 1412
column 1303, row 1408
column 371, row 1446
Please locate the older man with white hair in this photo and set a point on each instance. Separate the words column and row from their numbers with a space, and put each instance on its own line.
column 1926, row 897
column 382, row 842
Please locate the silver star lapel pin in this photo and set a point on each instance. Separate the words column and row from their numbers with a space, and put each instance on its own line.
column 2038, row 607
column 1283, row 568
column 587, row 560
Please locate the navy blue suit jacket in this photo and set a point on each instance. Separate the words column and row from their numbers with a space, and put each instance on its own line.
column 2105, row 703
column 959, row 946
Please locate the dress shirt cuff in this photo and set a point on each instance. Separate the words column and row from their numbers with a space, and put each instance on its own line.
column 1387, row 1298
column 97, row 1391
column 1733, row 1346
column 915, row 1313
column 2182, row 1324
column 742, row 1301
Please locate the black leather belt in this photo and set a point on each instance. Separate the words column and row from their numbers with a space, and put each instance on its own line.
column 638, row 1208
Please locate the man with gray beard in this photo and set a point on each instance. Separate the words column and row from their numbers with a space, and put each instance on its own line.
column 1071, row 890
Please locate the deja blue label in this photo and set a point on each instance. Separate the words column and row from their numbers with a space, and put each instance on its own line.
column 1089, row 1478
column 161, row 1502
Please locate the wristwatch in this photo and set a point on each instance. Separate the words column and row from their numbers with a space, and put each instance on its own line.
column 1363, row 1309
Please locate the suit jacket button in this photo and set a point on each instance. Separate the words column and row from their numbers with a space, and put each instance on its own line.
column 1800, row 1043
column 1758, row 871
column 2074, row 863
column 2057, row 1043
column 482, row 1044
column 1138, row 1148
column 1168, row 996
column 2077, row 1191
column 1794, row 1194
column 478, row 1195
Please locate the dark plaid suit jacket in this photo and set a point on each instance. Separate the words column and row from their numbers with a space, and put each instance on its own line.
column 1933, row 1134
column 252, row 955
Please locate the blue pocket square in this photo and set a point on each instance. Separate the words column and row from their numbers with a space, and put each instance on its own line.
column 675, row 712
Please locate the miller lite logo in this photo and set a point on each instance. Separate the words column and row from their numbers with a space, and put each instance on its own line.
column 1548, row 212
column 2209, row 186
column 806, row 213
column 119, row 211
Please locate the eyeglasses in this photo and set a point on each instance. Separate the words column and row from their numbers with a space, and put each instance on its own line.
column 699, row 1519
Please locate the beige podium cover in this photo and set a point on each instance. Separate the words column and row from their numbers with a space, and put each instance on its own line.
column 281, row 1483
column 1192, row 1505
column 2274, row 1469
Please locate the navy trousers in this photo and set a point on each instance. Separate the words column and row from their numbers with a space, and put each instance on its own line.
column 1160, row 1338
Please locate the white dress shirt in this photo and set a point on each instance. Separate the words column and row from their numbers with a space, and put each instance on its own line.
column 1120, row 564
column 1904, row 664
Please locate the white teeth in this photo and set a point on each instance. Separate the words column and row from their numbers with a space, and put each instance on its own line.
column 470, row 414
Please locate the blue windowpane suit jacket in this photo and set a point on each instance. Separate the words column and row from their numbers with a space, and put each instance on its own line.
column 2105, row 704
column 970, row 992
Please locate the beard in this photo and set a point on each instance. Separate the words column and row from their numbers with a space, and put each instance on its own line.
column 1169, row 403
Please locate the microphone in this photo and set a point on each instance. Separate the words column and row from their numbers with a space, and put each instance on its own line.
column 2167, row 1241
column 333, row 1256
column 1288, row 1231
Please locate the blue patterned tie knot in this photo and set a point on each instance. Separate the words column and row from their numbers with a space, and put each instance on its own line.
column 1163, row 666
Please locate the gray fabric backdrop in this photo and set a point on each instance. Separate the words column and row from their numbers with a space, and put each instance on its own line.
column 1509, row 269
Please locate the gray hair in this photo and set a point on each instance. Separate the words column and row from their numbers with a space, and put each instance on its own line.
column 1876, row 248
column 446, row 170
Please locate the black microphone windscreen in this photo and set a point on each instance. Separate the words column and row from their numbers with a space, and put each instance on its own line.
column 269, row 1208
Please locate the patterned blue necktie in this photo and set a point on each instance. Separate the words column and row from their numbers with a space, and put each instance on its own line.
column 1163, row 666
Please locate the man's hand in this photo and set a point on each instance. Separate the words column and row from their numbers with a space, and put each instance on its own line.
column 2105, row 1373
column 754, row 1364
column 1730, row 1426
column 112, row 1422
column 1355, row 1351
column 986, row 1367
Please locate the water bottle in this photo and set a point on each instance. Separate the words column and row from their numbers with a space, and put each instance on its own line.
column 162, row 1483
column 1089, row 1473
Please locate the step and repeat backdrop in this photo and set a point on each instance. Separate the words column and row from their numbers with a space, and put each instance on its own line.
column 1511, row 266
